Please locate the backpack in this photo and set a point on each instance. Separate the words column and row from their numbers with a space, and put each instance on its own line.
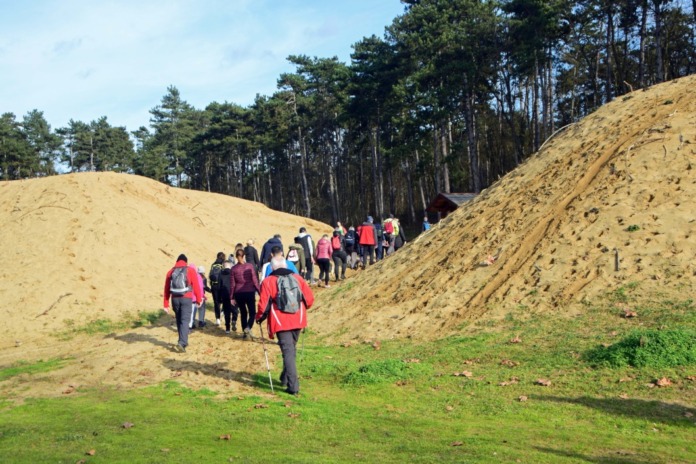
column 293, row 256
column 350, row 238
column 388, row 227
column 336, row 242
column 179, row 284
column 289, row 294
column 215, row 271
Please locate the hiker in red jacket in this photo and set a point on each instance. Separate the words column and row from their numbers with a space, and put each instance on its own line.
column 183, row 286
column 368, row 240
column 286, row 326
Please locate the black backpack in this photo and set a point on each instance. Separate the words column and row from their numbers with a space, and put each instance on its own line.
column 214, row 275
column 289, row 294
column 179, row 284
column 350, row 238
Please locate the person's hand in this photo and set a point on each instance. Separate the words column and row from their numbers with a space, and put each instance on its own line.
column 166, row 310
column 234, row 302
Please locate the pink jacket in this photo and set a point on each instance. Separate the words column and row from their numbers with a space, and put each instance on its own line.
column 323, row 249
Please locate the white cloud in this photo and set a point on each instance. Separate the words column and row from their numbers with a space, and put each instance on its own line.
column 82, row 60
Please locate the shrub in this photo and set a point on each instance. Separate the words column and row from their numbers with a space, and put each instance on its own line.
column 388, row 370
column 648, row 348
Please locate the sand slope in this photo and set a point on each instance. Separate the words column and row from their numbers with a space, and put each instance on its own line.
column 621, row 181
column 97, row 245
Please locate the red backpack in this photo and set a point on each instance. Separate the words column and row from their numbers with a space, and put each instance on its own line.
column 388, row 227
column 336, row 242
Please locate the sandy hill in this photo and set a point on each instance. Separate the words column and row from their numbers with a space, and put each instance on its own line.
column 621, row 182
column 97, row 245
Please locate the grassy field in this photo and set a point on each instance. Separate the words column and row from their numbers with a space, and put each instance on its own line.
column 525, row 389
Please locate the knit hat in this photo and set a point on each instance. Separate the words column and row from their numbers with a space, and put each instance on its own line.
column 182, row 257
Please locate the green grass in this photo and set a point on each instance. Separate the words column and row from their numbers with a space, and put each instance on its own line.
column 401, row 403
column 29, row 368
column 106, row 326
column 648, row 348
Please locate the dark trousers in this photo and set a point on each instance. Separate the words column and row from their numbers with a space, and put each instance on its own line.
column 368, row 250
column 309, row 270
column 340, row 259
column 324, row 269
column 287, row 340
column 183, row 307
column 229, row 310
column 246, row 301
column 217, row 300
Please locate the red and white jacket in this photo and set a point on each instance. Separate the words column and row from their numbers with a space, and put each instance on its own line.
column 267, row 307
column 196, row 294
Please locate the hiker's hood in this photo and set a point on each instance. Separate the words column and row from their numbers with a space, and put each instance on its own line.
column 302, row 234
column 282, row 271
column 181, row 263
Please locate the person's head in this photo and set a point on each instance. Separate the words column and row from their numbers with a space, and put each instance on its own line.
column 240, row 255
column 238, row 246
column 277, row 236
column 338, row 223
column 303, row 230
column 351, row 228
column 325, row 236
column 335, row 233
column 276, row 251
column 391, row 216
column 221, row 255
column 182, row 257
column 425, row 219
column 250, row 242
column 201, row 270
column 297, row 239
column 369, row 219
column 278, row 262
column 227, row 264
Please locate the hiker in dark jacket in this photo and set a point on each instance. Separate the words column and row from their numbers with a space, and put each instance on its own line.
column 266, row 254
column 252, row 256
column 339, row 256
column 244, row 283
column 308, row 246
column 228, row 309
column 214, row 275
column 182, row 298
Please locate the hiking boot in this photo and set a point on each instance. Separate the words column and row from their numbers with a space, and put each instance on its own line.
column 290, row 392
column 234, row 327
column 227, row 332
column 201, row 324
column 217, row 322
column 179, row 349
column 247, row 331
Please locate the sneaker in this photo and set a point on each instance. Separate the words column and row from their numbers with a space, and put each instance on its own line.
column 227, row 332
column 247, row 331
column 234, row 327
column 179, row 349
column 201, row 324
column 293, row 393
column 217, row 322
column 327, row 286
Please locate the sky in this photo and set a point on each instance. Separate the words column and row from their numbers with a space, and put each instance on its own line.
column 81, row 60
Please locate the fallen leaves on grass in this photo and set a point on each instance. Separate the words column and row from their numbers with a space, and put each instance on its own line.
column 463, row 374
column 449, row 408
column 516, row 339
column 347, row 345
column 293, row 415
column 226, row 436
column 400, row 383
column 69, row 390
column 127, row 425
column 543, row 382
column 623, row 396
column 628, row 312
column 692, row 378
column 469, row 362
column 522, row 398
column 509, row 363
column 512, row 381
column 176, row 374
column 412, row 361
column 456, row 443
column 625, row 379
column 663, row 382
column 377, row 345
column 260, row 406
column 91, row 452
column 688, row 414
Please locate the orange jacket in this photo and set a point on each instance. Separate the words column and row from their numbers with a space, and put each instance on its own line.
column 279, row 321
column 196, row 294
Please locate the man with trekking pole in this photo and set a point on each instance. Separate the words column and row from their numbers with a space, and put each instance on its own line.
column 284, row 300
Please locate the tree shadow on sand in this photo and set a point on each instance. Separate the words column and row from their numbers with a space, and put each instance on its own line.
column 139, row 338
column 213, row 370
column 649, row 410
column 617, row 457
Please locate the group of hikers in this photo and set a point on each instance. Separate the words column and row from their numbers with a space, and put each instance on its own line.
column 281, row 281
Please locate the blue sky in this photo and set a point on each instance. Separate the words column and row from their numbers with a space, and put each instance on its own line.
column 86, row 59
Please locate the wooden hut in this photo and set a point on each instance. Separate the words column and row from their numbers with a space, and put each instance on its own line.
column 445, row 203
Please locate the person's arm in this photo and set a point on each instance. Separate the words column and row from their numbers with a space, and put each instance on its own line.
column 255, row 279
column 197, row 290
column 167, row 294
column 307, row 294
column 233, row 283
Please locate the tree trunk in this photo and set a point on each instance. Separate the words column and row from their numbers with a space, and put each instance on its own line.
column 420, row 184
column 470, row 124
column 658, row 40
column 643, row 40
column 609, row 45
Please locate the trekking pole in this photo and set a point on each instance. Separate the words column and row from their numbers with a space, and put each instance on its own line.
column 265, row 353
